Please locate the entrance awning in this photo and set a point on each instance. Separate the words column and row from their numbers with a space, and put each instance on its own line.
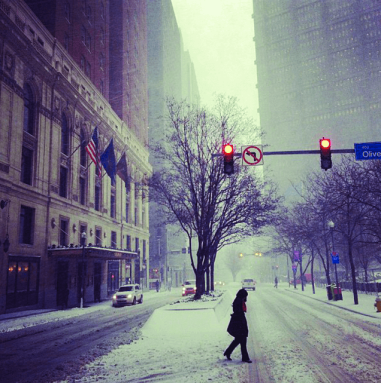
column 104, row 253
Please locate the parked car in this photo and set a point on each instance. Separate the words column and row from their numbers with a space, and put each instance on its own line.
column 189, row 287
column 127, row 295
column 248, row 284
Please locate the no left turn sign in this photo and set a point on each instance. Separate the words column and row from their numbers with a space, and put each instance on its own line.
column 252, row 155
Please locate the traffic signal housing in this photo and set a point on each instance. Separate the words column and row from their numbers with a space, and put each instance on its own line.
column 228, row 153
column 325, row 153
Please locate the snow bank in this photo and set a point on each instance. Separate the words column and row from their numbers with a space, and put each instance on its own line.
column 185, row 319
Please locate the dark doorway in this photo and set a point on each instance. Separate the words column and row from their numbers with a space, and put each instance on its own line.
column 82, row 270
column 113, row 276
column 22, row 281
column 62, row 282
column 97, row 281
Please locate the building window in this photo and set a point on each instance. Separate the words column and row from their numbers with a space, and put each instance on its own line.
column 64, row 225
column 98, row 237
column 113, row 239
column 83, row 156
column 66, row 41
column 83, row 35
column 88, row 13
column 102, row 36
column 129, row 242
column 88, row 69
column 67, row 11
column 82, row 190
column 136, row 244
column 112, row 203
column 102, row 87
column 83, row 63
column 63, row 182
column 64, row 135
column 82, row 229
column 97, row 198
column 101, row 61
column 127, row 206
column 102, row 7
column 28, row 110
column 26, row 165
column 26, row 225
column 136, row 216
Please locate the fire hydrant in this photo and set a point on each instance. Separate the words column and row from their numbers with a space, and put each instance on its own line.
column 378, row 304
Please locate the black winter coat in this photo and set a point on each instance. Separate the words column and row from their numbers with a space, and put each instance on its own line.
column 238, row 324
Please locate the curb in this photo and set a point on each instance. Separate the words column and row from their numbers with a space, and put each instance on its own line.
column 332, row 304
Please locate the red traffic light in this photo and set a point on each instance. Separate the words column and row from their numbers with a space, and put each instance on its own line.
column 325, row 143
column 228, row 153
column 227, row 149
column 325, row 153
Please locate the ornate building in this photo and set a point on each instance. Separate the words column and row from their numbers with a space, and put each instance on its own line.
column 62, row 227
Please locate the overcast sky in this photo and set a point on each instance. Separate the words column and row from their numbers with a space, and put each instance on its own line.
column 219, row 36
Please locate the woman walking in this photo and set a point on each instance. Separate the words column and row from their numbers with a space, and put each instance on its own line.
column 238, row 326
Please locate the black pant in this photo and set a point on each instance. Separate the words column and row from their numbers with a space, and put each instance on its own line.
column 239, row 340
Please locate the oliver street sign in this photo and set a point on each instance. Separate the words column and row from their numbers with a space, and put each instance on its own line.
column 368, row 151
column 335, row 257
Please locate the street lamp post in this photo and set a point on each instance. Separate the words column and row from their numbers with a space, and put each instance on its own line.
column 83, row 240
column 331, row 225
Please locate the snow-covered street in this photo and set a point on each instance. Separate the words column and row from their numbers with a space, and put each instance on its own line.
column 294, row 337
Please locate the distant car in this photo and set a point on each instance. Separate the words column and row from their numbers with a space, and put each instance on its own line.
column 248, row 284
column 219, row 283
column 127, row 295
column 189, row 287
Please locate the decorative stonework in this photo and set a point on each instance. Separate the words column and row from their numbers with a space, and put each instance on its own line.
column 78, row 121
column 57, row 103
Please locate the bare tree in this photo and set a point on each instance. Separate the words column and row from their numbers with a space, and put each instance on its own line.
column 233, row 263
column 194, row 191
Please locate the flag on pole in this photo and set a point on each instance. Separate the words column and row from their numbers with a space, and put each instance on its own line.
column 92, row 149
column 122, row 172
column 109, row 162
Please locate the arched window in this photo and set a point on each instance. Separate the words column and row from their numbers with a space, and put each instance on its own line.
column 83, row 148
column 64, row 135
column 28, row 110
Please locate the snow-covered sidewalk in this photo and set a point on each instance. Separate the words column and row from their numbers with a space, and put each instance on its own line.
column 365, row 305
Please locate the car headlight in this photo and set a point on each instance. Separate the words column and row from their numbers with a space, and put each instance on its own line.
column 129, row 296
column 114, row 297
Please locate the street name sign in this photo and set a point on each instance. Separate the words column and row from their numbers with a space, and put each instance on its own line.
column 368, row 151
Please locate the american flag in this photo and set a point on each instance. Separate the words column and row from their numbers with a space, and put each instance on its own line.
column 93, row 152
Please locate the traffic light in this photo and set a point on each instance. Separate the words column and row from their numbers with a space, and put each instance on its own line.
column 325, row 153
column 228, row 153
column 240, row 255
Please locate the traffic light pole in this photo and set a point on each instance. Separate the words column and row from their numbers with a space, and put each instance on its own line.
column 285, row 152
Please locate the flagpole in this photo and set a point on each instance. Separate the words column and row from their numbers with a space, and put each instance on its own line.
column 70, row 155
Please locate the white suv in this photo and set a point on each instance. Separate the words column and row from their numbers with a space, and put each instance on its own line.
column 127, row 295
column 248, row 284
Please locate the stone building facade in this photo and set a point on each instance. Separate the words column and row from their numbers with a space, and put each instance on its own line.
column 67, row 228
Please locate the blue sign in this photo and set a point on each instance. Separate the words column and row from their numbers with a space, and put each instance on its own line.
column 368, row 151
column 335, row 258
